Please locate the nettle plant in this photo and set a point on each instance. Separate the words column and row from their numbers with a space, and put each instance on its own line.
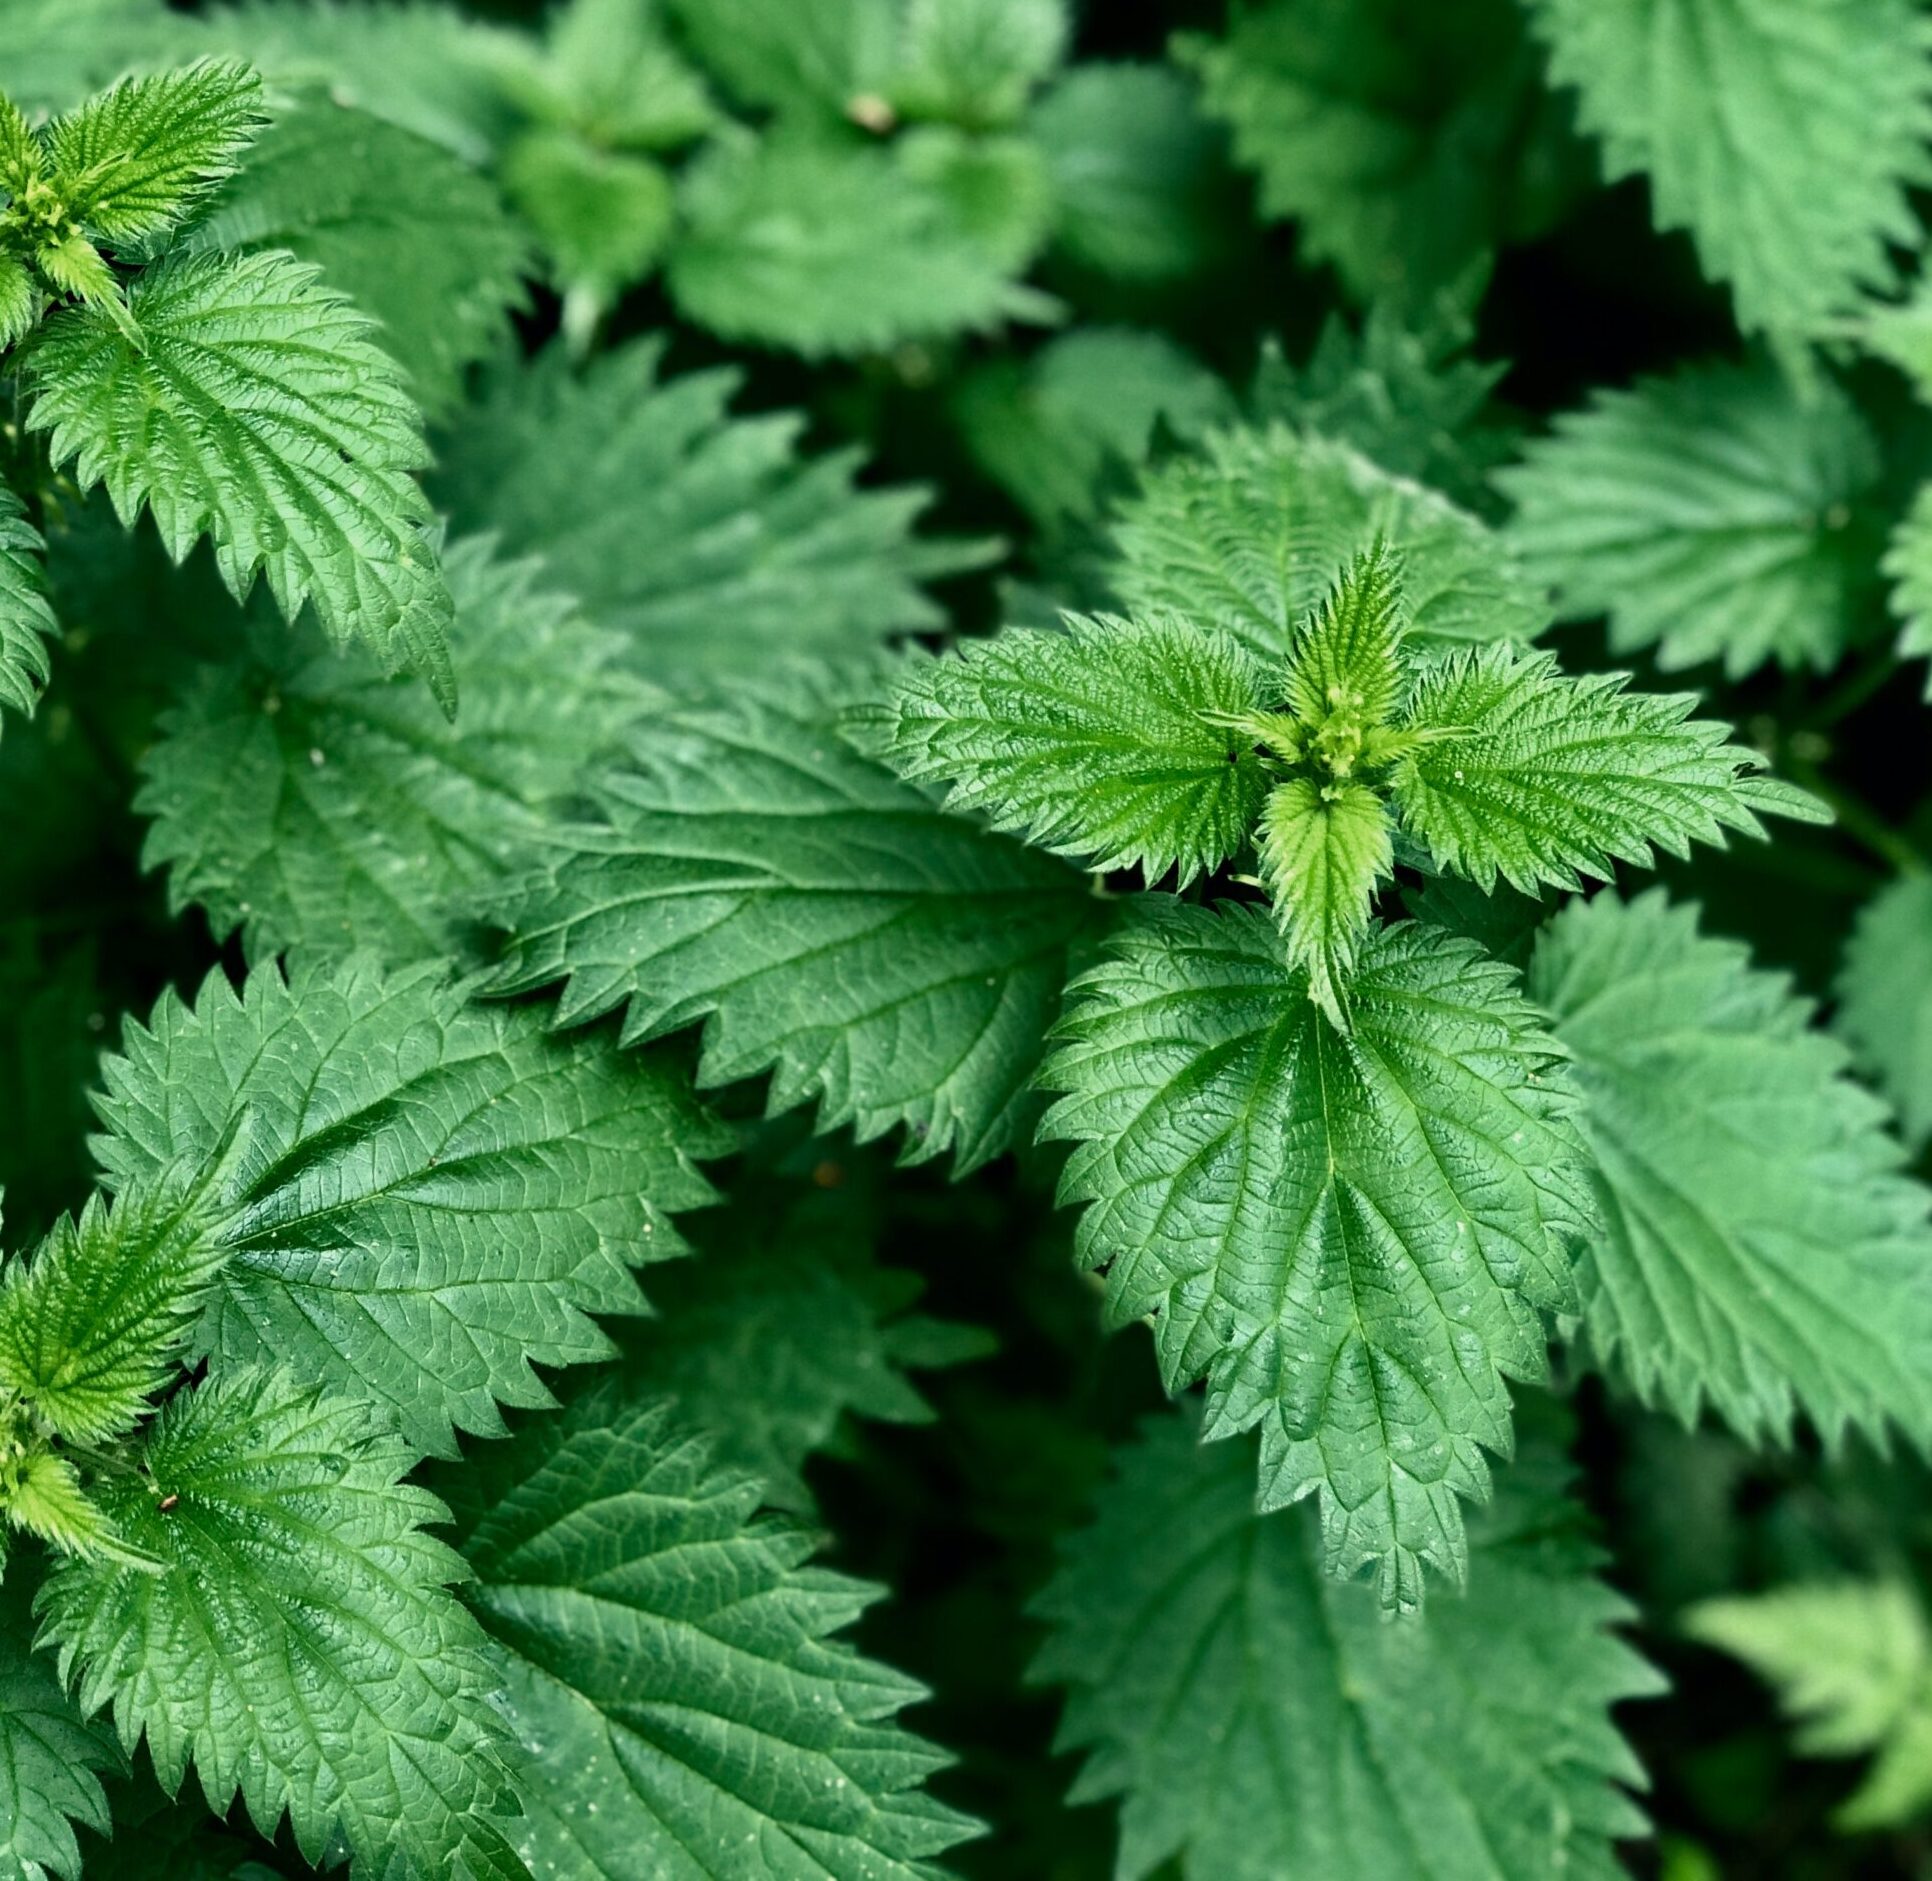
column 609, row 966
column 227, row 395
column 1335, row 1163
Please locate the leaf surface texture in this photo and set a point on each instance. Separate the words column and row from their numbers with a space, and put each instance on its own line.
column 1352, row 1237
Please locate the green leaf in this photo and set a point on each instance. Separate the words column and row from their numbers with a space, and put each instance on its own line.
column 831, row 248
column 1852, row 1665
column 1257, row 1720
column 1099, row 742
column 98, row 1321
column 805, row 61
column 310, row 801
column 57, row 53
column 1054, row 430
column 1352, row 1237
column 1501, row 921
column 1141, row 186
column 1885, row 1000
column 402, row 228
column 975, row 63
column 19, row 301
column 609, row 74
column 709, row 540
column 1764, row 1253
column 1908, row 563
column 1402, row 390
column 603, row 216
column 1538, row 777
column 1793, row 189
column 417, row 1197
column 673, row 1682
column 258, row 412
column 1900, row 332
column 1712, row 515
column 996, row 192
column 131, row 163
column 1404, row 141
column 423, row 66
column 300, row 1644
column 26, row 620
column 1324, row 848
column 827, row 922
column 785, row 1327
column 1248, row 534
column 48, row 1757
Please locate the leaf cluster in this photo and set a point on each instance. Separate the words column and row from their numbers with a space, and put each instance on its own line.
column 1106, row 625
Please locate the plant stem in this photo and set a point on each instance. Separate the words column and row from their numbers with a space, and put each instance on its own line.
column 1857, row 818
column 1866, row 678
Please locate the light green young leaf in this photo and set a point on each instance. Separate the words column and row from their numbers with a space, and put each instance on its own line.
column 26, row 619
column 1781, row 133
column 1712, row 515
column 1141, row 185
column 1324, row 848
column 1343, row 673
column 300, row 1643
column 830, row 248
column 75, row 270
column 1540, row 777
column 23, row 157
column 1404, row 141
column 41, row 1495
column 411, row 235
column 1247, row 536
column 49, row 1756
column 1258, row 1721
column 783, row 1329
column 674, row 1685
column 1852, row 1665
column 828, row 923
column 417, row 1197
column 709, row 540
column 101, row 1317
column 1100, row 742
column 129, row 164
column 1764, row 1253
column 258, row 412
column 1353, row 1237
column 975, row 63
column 309, row 800
column 1053, row 430
column 1885, row 1000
